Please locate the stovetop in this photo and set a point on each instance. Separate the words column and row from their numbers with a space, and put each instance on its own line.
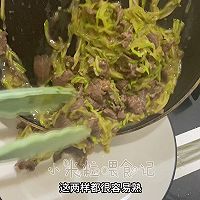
column 187, row 116
column 184, row 119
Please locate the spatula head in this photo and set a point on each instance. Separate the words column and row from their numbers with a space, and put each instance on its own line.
column 20, row 101
column 49, row 142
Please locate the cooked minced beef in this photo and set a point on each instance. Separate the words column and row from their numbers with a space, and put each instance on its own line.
column 27, row 164
column 62, row 121
column 3, row 42
column 155, row 90
column 135, row 104
column 95, row 104
column 93, row 123
column 42, row 68
column 153, row 38
column 62, row 80
column 122, row 85
column 121, row 115
column 95, row 92
column 109, row 113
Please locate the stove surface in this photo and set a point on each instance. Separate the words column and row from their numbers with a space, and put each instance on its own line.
column 187, row 116
column 184, row 119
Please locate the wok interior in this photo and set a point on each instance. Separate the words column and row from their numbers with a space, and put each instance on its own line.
column 24, row 20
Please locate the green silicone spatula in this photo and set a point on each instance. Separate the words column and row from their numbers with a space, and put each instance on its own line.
column 25, row 100
column 43, row 143
column 20, row 101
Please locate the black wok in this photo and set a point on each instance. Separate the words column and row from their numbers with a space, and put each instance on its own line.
column 25, row 18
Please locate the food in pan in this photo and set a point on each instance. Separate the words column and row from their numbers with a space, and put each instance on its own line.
column 124, row 67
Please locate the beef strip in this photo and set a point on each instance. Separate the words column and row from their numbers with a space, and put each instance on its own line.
column 95, row 93
column 96, row 105
column 97, row 89
column 123, row 25
column 75, row 115
column 93, row 123
column 126, row 38
column 119, row 13
column 155, row 90
column 78, row 103
column 153, row 38
column 62, row 121
column 155, row 85
column 103, row 84
column 126, row 67
column 121, row 115
column 57, row 156
column 133, row 72
column 109, row 113
column 143, row 93
column 152, row 62
column 3, row 43
column 124, row 28
column 62, row 80
column 135, row 104
column 42, row 68
column 29, row 165
column 164, row 76
column 116, row 108
column 89, row 146
column 79, row 156
column 122, row 85
column 166, row 47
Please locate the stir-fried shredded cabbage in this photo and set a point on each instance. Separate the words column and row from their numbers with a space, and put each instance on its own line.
column 106, row 32
column 114, row 46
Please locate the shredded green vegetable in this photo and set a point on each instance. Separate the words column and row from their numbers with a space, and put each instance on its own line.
column 107, row 32
column 125, row 66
